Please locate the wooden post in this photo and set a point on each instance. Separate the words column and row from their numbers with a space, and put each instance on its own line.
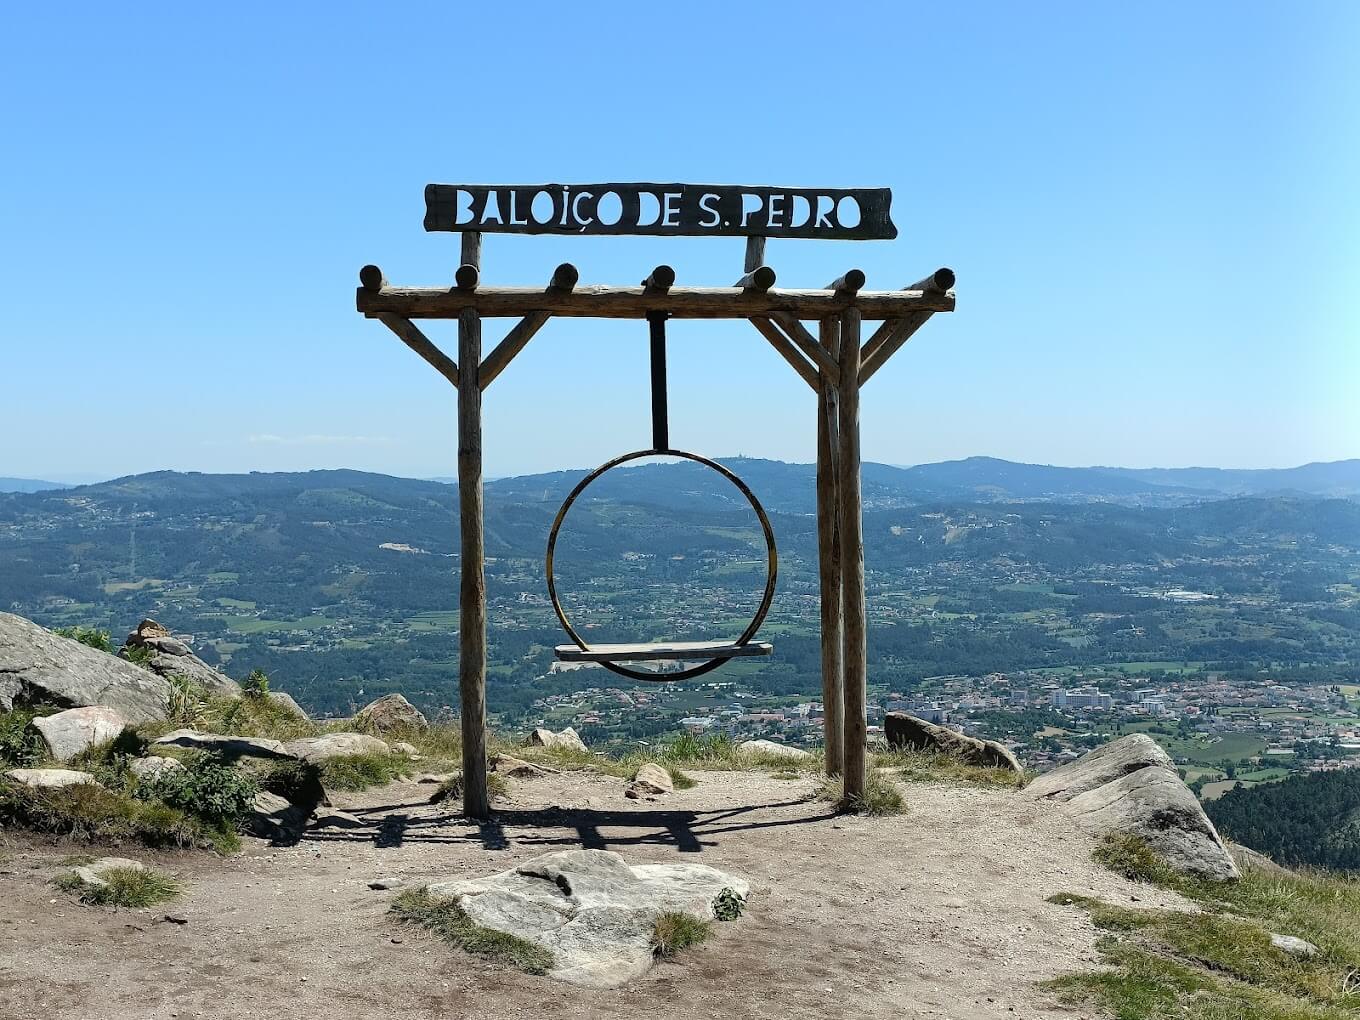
column 854, row 653
column 829, row 558
column 472, row 588
column 755, row 254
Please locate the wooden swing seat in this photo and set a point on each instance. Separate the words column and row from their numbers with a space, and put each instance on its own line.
column 662, row 651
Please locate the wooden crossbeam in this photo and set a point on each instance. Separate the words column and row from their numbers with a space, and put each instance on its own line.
column 412, row 337
column 608, row 302
column 785, row 347
column 810, row 346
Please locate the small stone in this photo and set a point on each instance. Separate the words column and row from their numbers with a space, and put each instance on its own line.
column 402, row 747
column 379, row 884
column 1293, row 945
column 176, row 919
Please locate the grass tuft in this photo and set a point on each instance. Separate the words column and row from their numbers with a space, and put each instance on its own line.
column 125, row 887
column 448, row 920
column 881, row 797
column 360, row 771
column 452, row 788
column 676, row 930
column 936, row 766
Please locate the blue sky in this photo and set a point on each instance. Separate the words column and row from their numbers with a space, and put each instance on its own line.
column 1152, row 211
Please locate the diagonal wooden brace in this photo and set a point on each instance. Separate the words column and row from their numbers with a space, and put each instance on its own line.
column 887, row 341
column 409, row 334
column 781, row 343
column 809, row 345
column 499, row 359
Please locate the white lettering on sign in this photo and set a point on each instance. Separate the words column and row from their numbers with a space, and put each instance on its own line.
column 692, row 209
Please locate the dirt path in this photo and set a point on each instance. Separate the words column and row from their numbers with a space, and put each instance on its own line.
column 939, row 913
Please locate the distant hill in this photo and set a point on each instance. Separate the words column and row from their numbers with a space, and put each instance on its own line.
column 974, row 480
column 27, row 485
column 1335, row 478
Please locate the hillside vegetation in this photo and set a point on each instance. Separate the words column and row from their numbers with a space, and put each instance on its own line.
column 1311, row 820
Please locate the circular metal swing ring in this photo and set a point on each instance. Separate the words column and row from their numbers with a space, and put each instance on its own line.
column 772, row 569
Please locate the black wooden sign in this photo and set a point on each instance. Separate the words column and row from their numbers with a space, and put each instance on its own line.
column 719, row 210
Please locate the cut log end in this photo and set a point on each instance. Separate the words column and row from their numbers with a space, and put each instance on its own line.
column 372, row 278
column 662, row 278
column 850, row 283
column 565, row 277
column 466, row 277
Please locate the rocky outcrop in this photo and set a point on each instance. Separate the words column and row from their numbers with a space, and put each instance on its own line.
column 334, row 745
column 770, row 749
column 1131, row 786
column 391, row 712
column 68, row 733
column 590, row 909
column 227, row 746
column 172, row 657
column 568, row 739
column 49, row 779
column 651, row 781
column 905, row 731
column 39, row 666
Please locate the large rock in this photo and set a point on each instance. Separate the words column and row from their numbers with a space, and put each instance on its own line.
column 651, row 781
column 517, row 768
column 391, row 712
column 276, row 819
column 50, row 779
column 906, row 731
column 171, row 657
column 334, row 745
column 225, row 745
column 568, row 739
column 1131, row 786
column 770, row 749
column 590, row 909
column 68, row 733
column 37, row 665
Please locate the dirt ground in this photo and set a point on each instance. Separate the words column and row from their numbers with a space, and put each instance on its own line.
column 938, row 913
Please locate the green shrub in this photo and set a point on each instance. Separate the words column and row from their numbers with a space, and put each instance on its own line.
column 124, row 887
column 451, row 923
column 256, row 685
column 20, row 743
column 140, row 655
column 728, row 904
column 91, row 636
column 676, row 930
column 206, row 788
column 94, row 814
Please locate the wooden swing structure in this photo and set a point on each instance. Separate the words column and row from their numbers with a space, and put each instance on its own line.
column 834, row 361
